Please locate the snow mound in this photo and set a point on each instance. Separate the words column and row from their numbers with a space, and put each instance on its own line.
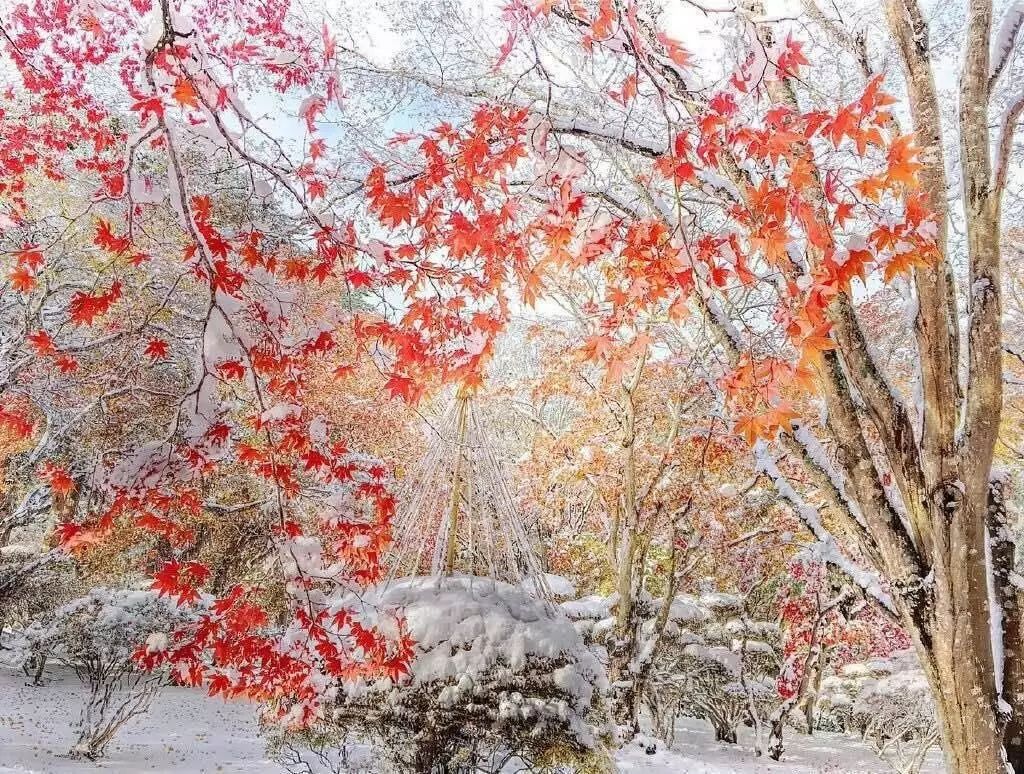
column 466, row 627
column 549, row 584
column 686, row 609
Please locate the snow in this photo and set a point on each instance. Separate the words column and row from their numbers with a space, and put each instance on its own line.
column 1006, row 36
column 188, row 733
column 465, row 626
column 185, row 732
column 593, row 607
column 685, row 608
column 557, row 586
column 694, row 752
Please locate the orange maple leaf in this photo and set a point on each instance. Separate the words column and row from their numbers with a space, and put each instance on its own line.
column 185, row 93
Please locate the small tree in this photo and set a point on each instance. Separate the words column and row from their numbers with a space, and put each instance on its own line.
column 494, row 676
column 714, row 663
column 888, row 702
column 99, row 636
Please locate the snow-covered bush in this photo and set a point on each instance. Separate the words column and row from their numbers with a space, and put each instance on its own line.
column 97, row 636
column 32, row 582
column 593, row 620
column 713, row 663
column 888, row 701
column 496, row 675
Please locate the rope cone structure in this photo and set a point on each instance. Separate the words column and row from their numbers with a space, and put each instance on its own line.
column 457, row 513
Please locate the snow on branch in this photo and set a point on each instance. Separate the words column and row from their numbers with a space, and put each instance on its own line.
column 1005, row 40
column 594, row 131
column 827, row 546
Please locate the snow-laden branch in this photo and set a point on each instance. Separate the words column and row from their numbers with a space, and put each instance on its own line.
column 1004, row 145
column 582, row 128
column 1005, row 40
column 827, row 547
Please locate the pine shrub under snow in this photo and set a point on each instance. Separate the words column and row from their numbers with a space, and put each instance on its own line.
column 497, row 674
column 97, row 635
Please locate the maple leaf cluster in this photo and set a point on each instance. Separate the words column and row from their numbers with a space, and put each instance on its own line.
column 195, row 327
column 802, row 203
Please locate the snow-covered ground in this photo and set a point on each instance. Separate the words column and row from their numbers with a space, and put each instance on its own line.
column 696, row 752
column 187, row 733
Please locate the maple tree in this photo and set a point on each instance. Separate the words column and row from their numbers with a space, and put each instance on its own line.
column 181, row 326
column 751, row 206
column 770, row 210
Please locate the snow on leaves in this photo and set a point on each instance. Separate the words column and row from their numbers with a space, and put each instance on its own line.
column 169, row 274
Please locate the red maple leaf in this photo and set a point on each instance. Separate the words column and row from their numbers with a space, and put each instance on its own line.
column 42, row 343
column 61, row 484
column 108, row 240
column 231, row 369
column 22, row 279
column 156, row 349
column 403, row 387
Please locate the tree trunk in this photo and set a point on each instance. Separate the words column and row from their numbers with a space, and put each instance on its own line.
column 727, row 735
column 972, row 739
column 811, row 697
column 622, row 649
column 775, row 744
column 955, row 648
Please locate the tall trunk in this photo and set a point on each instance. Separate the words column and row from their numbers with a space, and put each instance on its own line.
column 955, row 644
column 623, row 651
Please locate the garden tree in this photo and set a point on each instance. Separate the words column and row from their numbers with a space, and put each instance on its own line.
column 773, row 210
column 473, row 703
column 718, row 663
column 185, row 324
column 615, row 433
column 825, row 627
column 578, row 466
column 588, row 140
column 97, row 635
column 30, row 587
column 887, row 700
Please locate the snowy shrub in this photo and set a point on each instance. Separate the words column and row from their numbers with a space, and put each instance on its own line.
column 713, row 663
column 497, row 675
column 97, row 636
column 591, row 617
column 888, row 701
column 31, row 583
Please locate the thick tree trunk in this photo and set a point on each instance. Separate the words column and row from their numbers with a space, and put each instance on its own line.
column 955, row 646
column 972, row 739
column 727, row 735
